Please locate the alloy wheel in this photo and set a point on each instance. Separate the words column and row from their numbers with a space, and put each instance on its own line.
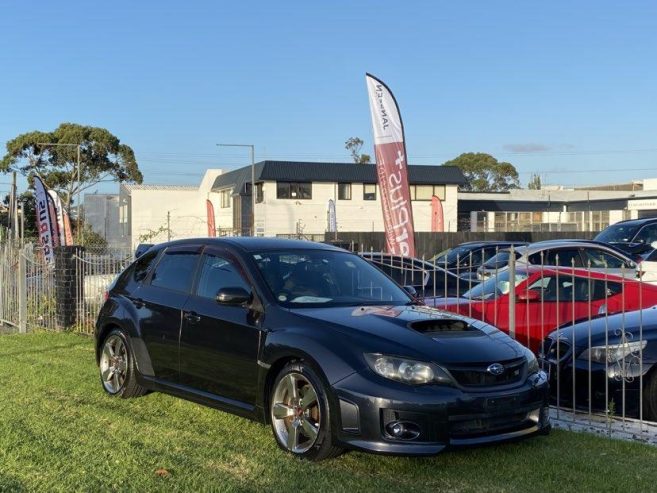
column 295, row 413
column 114, row 364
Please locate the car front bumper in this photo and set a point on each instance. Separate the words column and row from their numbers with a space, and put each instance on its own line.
column 613, row 388
column 441, row 416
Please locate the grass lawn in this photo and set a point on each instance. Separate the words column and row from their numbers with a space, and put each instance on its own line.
column 60, row 432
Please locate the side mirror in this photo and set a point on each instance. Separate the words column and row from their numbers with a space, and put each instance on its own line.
column 233, row 296
column 529, row 296
column 411, row 290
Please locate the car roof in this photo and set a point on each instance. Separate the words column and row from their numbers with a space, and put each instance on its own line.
column 635, row 222
column 579, row 272
column 254, row 244
column 545, row 245
column 490, row 243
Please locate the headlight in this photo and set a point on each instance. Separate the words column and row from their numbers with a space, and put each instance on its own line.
column 532, row 362
column 407, row 370
column 612, row 353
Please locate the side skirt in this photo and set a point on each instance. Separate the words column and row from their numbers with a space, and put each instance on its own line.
column 205, row 398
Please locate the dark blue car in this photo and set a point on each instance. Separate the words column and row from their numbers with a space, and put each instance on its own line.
column 603, row 364
column 317, row 342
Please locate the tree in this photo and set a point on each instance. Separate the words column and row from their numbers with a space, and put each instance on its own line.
column 534, row 182
column 102, row 157
column 29, row 221
column 484, row 173
column 354, row 145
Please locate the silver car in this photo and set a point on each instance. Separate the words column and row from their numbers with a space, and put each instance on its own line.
column 564, row 253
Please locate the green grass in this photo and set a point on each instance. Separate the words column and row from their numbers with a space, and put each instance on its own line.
column 60, row 432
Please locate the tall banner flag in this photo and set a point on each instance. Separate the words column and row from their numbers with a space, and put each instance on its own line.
column 437, row 217
column 391, row 168
column 212, row 230
column 65, row 237
column 332, row 217
column 46, row 223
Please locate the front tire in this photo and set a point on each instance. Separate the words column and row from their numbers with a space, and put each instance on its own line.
column 117, row 367
column 300, row 416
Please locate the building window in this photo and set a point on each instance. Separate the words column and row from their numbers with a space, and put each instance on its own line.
column 260, row 197
column 293, row 190
column 344, row 191
column 425, row 192
column 369, row 191
column 224, row 198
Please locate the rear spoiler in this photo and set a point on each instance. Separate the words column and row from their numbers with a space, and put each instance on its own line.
column 142, row 248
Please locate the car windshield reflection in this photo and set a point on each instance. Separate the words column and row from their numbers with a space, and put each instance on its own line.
column 496, row 286
column 326, row 278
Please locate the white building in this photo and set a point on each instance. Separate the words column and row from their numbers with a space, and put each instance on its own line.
column 156, row 213
column 292, row 198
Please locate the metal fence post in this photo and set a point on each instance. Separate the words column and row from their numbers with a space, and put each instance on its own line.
column 512, row 293
column 22, row 292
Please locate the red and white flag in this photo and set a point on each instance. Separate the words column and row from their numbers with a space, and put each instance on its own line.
column 63, row 221
column 437, row 217
column 212, row 230
column 392, row 169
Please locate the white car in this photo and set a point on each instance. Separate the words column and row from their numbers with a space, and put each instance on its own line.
column 581, row 254
column 646, row 270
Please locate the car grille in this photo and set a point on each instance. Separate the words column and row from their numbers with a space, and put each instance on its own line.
column 479, row 376
column 553, row 352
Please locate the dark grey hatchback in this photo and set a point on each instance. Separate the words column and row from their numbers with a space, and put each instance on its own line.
column 317, row 342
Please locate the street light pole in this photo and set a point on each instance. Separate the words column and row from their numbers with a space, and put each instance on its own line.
column 55, row 144
column 253, row 189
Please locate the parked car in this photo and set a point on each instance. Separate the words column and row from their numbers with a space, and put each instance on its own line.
column 606, row 361
column 464, row 259
column 317, row 342
column 546, row 298
column 564, row 253
column 426, row 279
column 633, row 236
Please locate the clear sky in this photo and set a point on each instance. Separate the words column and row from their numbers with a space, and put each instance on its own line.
column 566, row 89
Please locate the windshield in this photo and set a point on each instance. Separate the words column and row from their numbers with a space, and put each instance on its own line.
column 498, row 261
column 495, row 286
column 617, row 233
column 455, row 254
column 326, row 278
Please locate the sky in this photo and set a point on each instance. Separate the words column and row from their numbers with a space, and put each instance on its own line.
column 563, row 89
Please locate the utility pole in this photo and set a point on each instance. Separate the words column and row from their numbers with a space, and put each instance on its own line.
column 253, row 189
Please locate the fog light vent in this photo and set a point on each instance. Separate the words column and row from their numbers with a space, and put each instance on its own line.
column 403, row 430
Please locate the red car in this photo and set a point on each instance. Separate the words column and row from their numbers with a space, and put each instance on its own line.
column 548, row 297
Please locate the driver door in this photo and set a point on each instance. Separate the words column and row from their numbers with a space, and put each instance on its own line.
column 219, row 342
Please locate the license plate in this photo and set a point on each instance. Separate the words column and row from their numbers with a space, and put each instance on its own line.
column 507, row 402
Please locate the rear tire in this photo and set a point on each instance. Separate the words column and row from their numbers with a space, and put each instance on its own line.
column 300, row 416
column 117, row 367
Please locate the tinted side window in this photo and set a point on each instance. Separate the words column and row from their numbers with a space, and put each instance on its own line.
column 175, row 270
column 602, row 260
column 564, row 289
column 142, row 266
column 647, row 235
column 563, row 258
column 217, row 272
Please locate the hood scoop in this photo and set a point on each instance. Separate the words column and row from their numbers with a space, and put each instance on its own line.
column 436, row 328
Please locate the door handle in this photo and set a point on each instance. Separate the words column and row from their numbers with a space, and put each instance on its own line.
column 138, row 302
column 192, row 317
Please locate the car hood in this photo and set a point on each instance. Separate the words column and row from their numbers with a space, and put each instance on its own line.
column 418, row 331
column 613, row 326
